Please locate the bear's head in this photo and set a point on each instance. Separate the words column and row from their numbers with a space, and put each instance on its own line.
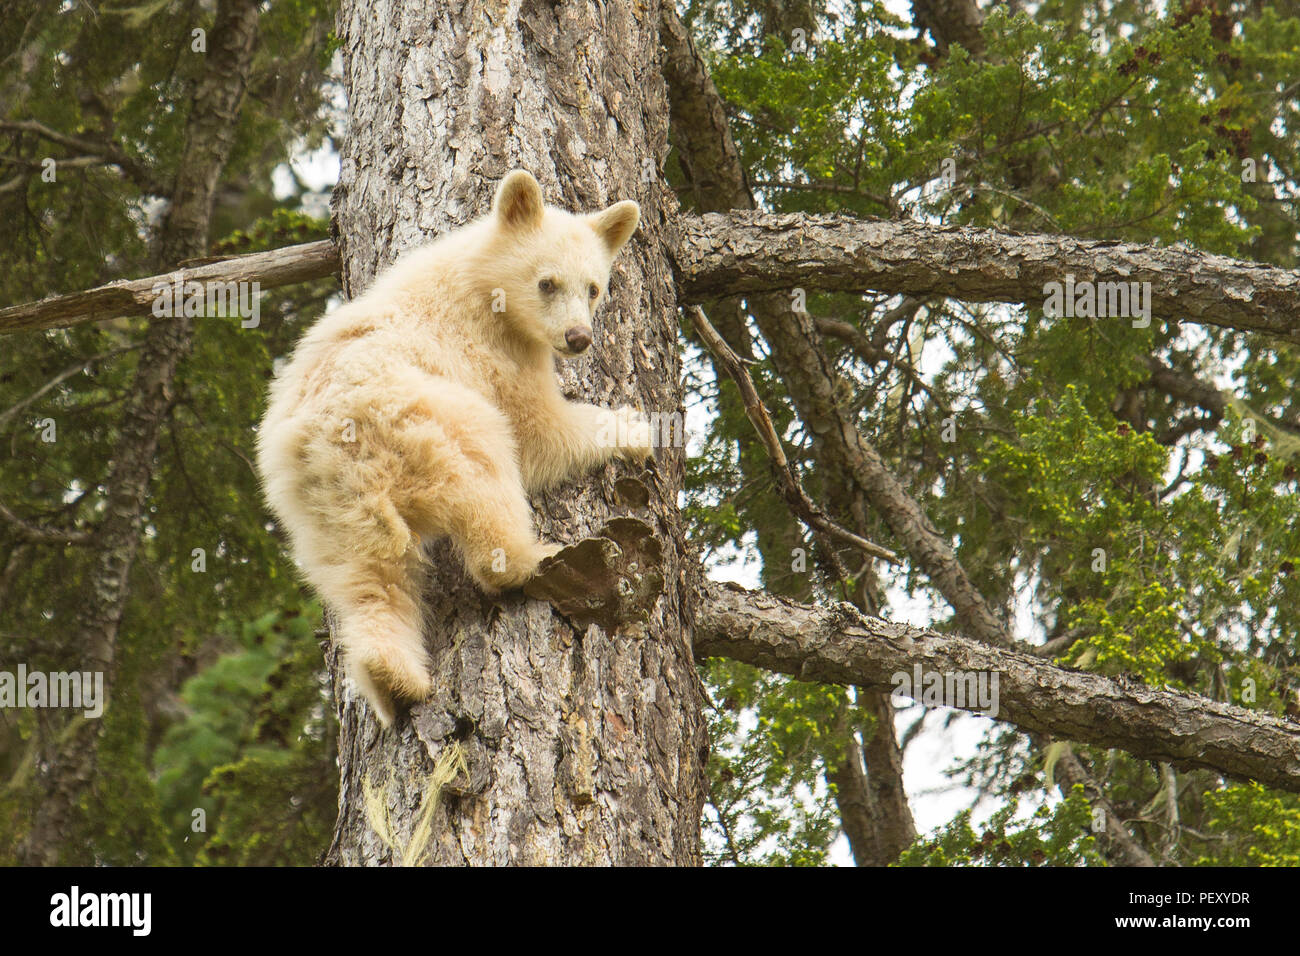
column 553, row 265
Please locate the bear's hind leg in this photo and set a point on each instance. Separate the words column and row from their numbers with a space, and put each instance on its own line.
column 381, row 633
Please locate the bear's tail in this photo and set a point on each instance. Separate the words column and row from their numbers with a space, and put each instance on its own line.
column 380, row 630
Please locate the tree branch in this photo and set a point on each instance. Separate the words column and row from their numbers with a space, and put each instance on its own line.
column 840, row 645
column 788, row 484
column 745, row 252
column 130, row 297
column 700, row 131
column 38, row 534
column 136, row 171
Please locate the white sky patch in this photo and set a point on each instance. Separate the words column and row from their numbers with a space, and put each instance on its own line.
column 317, row 169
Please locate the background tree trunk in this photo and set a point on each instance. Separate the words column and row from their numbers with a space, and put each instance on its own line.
column 69, row 751
column 872, row 802
column 546, row 742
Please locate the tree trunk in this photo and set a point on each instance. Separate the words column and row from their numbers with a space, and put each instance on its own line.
column 550, row 739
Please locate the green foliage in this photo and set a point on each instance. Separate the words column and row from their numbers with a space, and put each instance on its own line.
column 251, row 751
column 253, row 714
column 1053, row 835
column 1121, row 123
column 283, row 227
column 1251, row 826
column 767, row 805
column 1126, row 143
column 120, row 78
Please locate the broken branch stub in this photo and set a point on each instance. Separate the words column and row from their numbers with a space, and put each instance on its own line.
column 611, row 580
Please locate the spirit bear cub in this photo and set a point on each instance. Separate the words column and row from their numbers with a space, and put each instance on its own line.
column 429, row 407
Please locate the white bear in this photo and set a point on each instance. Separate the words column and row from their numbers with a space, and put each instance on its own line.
column 429, row 406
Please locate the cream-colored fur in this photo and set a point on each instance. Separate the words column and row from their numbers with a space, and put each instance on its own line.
column 429, row 406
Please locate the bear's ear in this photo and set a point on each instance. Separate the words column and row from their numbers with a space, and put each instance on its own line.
column 616, row 224
column 518, row 203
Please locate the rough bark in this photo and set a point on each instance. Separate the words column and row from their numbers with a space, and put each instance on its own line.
column 701, row 132
column 839, row 645
column 582, row 743
column 136, row 297
column 748, row 252
column 66, row 769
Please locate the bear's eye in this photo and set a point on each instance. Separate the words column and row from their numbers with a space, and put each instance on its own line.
column 547, row 286
column 592, row 290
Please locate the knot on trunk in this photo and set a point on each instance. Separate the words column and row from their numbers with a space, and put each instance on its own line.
column 612, row 580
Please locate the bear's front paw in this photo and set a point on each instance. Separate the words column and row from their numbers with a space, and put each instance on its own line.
column 501, row 571
column 548, row 551
column 635, row 435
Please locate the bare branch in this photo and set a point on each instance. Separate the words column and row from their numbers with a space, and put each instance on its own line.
column 865, row 349
column 788, row 484
column 745, row 252
column 1070, row 771
column 840, row 645
column 35, row 534
column 130, row 297
column 136, row 171
column 58, row 379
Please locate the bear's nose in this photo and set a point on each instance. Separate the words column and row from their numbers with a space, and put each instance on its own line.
column 577, row 338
